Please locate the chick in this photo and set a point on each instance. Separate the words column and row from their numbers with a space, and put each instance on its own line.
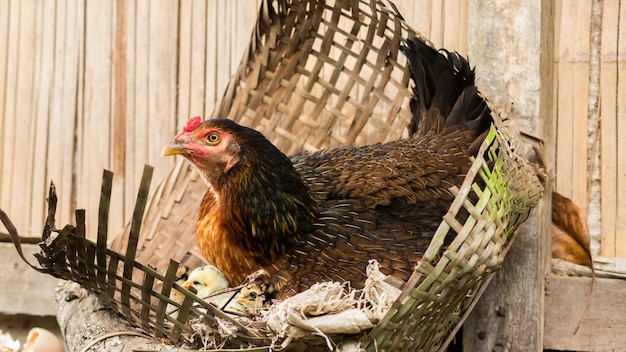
column 207, row 281
column 254, row 297
column 182, row 274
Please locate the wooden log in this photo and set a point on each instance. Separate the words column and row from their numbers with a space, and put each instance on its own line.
column 85, row 321
column 511, row 45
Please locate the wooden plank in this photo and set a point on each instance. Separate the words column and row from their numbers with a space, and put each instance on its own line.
column 198, row 59
column 27, row 122
column 579, row 133
column 564, row 135
column 462, row 35
column 4, row 51
column 437, row 23
column 244, row 16
column 8, row 129
column 608, row 127
column 579, row 42
column 210, row 66
column 133, row 146
column 620, row 226
column 44, row 75
column 162, row 69
column 566, row 39
column 223, row 36
column 553, row 146
column 230, row 30
column 573, row 67
column 96, row 114
column 33, row 293
column 572, row 48
column 515, row 77
column 582, row 43
column 228, row 25
column 444, row 23
column 603, row 323
column 417, row 14
column 63, row 104
column 119, row 114
column 210, row 94
column 80, row 110
column 184, row 58
column 558, row 4
column 455, row 25
column 137, row 139
column 19, row 123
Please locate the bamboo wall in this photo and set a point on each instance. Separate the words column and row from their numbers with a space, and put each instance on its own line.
column 612, row 115
column 105, row 84
column 590, row 116
column 87, row 85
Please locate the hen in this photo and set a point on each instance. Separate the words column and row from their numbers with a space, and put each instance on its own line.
column 322, row 216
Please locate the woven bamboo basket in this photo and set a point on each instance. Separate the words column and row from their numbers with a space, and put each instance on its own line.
column 316, row 75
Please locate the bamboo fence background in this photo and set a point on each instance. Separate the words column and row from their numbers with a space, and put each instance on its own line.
column 105, row 84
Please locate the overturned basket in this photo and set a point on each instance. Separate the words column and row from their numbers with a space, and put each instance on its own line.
column 315, row 76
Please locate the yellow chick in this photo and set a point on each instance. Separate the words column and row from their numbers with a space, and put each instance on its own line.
column 208, row 280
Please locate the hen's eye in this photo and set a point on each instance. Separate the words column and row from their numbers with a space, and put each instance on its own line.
column 253, row 295
column 213, row 138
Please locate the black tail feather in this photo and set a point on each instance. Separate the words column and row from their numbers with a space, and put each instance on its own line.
column 445, row 94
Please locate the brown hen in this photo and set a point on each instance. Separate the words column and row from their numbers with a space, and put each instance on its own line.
column 322, row 216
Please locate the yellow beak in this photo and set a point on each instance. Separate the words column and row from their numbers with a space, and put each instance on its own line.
column 172, row 148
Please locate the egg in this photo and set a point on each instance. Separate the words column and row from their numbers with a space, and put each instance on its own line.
column 42, row 340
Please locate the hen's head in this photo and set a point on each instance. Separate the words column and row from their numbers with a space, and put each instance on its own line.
column 250, row 178
column 214, row 146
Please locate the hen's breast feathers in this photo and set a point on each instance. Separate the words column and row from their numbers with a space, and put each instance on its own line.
column 217, row 245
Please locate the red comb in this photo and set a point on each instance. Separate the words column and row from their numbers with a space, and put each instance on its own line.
column 192, row 124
